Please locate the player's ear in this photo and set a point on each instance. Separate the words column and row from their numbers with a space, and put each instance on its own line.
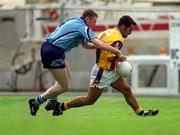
column 124, row 27
column 86, row 18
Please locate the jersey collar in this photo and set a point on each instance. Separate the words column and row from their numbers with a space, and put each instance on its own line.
column 116, row 27
column 83, row 20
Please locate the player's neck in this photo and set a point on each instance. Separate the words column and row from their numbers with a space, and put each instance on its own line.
column 117, row 28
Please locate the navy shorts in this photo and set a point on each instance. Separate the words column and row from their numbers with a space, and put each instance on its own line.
column 52, row 57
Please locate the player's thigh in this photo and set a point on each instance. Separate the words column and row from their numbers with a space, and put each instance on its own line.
column 120, row 84
column 94, row 93
column 61, row 76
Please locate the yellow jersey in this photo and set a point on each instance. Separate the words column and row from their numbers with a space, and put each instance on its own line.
column 111, row 37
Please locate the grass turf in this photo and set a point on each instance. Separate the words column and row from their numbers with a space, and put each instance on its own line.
column 109, row 116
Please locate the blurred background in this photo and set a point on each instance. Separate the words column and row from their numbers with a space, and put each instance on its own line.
column 152, row 49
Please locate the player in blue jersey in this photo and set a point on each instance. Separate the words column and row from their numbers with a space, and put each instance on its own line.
column 71, row 33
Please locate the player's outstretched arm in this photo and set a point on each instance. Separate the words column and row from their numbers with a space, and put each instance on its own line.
column 101, row 45
column 89, row 46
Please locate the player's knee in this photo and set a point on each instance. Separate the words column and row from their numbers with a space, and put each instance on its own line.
column 60, row 89
column 65, row 88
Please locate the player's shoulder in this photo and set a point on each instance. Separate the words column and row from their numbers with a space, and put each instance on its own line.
column 115, row 33
column 78, row 24
column 111, row 31
column 75, row 21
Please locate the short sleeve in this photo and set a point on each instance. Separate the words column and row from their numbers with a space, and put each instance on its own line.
column 88, row 34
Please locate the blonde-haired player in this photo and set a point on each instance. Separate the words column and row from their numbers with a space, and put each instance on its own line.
column 103, row 73
column 71, row 33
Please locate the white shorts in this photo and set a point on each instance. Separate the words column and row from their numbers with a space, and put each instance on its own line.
column 102, row 78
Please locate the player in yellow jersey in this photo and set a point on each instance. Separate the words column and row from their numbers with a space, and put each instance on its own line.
column 103, row 73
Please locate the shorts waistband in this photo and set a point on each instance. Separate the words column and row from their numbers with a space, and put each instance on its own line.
column 50, row 44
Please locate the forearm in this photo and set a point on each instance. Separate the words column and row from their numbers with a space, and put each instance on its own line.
column 89, row 46
column 106, row 47
column 103, row 46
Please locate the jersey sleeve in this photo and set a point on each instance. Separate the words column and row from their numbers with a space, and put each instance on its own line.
column 88, row 34
column 117, row 44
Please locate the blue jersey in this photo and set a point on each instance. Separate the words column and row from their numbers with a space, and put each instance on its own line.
column 70, row 34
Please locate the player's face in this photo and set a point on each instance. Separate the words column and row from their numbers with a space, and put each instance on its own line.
column 127, row 31
column 91, row 21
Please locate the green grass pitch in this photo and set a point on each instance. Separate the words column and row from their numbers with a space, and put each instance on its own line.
column 109, row 116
